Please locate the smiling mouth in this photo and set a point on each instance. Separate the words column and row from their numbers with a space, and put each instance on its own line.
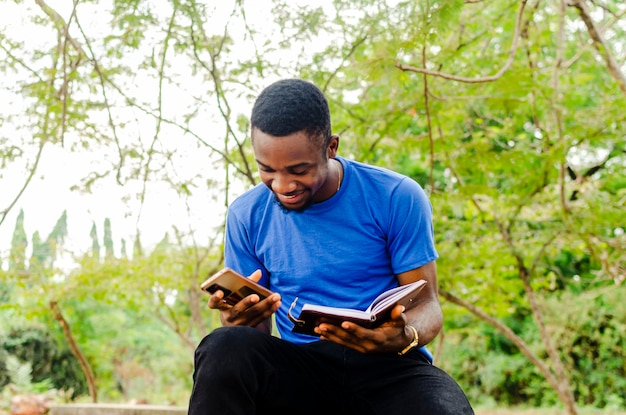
column 290, row 198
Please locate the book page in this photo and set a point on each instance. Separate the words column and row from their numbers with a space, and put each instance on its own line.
column 337, row 311
column 390, row 297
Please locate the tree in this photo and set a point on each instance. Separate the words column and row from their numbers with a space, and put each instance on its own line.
column 485, row 114
column 108, row 239
column 509, row 113
column 19, row 242
column 45, row 251
column 95, row 242
column 41, row 249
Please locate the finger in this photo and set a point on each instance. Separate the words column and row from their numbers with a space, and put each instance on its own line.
column 273, row 301
column 346, row 336
column 216, row 301
column 250, row 316
column 256, row 275
column 362, row 339
column 397, row 311
column 251, row 310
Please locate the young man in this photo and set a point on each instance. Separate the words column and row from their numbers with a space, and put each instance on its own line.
column 334, row 232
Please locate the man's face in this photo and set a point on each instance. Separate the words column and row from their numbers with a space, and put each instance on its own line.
column 295, row 168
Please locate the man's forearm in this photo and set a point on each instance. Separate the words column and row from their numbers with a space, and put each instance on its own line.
column 427, row 318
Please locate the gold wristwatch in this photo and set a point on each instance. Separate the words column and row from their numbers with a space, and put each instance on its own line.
column 414, row 343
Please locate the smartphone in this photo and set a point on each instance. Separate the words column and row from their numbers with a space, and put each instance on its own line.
column 234, row 286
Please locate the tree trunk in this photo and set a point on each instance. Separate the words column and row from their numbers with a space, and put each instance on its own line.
column 84, row 365
column 564, row 389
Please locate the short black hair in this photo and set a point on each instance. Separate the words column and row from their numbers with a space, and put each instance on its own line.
column 291, row 105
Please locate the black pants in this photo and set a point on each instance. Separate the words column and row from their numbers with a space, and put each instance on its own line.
column 239, row 370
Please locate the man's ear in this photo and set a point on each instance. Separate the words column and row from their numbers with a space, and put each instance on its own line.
column 333, row 146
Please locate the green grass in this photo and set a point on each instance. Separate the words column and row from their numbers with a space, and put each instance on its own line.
column 546, row 411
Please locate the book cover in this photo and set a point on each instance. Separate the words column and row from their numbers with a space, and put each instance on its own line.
column 378, row 311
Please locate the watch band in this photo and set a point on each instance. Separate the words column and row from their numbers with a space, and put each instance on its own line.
column 411, row 345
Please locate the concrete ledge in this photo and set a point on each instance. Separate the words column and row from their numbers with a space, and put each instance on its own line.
column 115, row 409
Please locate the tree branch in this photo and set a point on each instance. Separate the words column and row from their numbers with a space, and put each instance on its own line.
column 107, row 104
column 600, row 44
column 222, row 103
column 429, row 122
column 58, row 20
column 507, row 332
column 84, row 364
column 499, row 74
column 33, row 170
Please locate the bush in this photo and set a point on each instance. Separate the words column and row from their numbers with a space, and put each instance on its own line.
column 592, row 340
column 48, row 362
column 5, row 378
column 589, row 333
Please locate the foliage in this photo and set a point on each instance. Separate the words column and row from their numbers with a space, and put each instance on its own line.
column 518, row 180
column 509, row 113
column 592, row 341
column 136, row 320
column 34, row 358
column 593, row 354
column 17, row 257
column 5, row 377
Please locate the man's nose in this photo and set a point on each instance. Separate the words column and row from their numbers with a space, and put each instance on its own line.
column 283, row 183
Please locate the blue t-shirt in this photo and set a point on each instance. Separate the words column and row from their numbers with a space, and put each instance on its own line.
column 342, row 252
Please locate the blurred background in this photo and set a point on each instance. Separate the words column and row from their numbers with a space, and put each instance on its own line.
column 124, row 136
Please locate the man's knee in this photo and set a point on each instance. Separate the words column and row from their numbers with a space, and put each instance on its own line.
column 227, row 346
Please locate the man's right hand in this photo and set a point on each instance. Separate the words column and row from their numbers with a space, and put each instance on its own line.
column 250, row 311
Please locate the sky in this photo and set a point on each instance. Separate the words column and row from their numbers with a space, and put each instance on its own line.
column 51, row 190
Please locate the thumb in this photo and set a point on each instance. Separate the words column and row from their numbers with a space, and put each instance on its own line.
column 397, row 311
column 256, row 275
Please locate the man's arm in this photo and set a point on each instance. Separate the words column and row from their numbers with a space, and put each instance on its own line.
column 239, row 255
column 394, row 335
column 426, row 317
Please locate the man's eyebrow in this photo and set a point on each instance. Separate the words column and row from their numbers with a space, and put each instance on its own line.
column 261, row 164
column 292, row 167
column 298, row 166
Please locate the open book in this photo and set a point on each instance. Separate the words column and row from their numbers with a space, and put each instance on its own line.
column 378, row 311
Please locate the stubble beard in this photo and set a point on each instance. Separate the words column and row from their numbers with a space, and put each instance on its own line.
column 301, row 209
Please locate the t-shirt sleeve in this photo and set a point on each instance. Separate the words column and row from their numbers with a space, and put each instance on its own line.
column 239, row 248
column 411, row 235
